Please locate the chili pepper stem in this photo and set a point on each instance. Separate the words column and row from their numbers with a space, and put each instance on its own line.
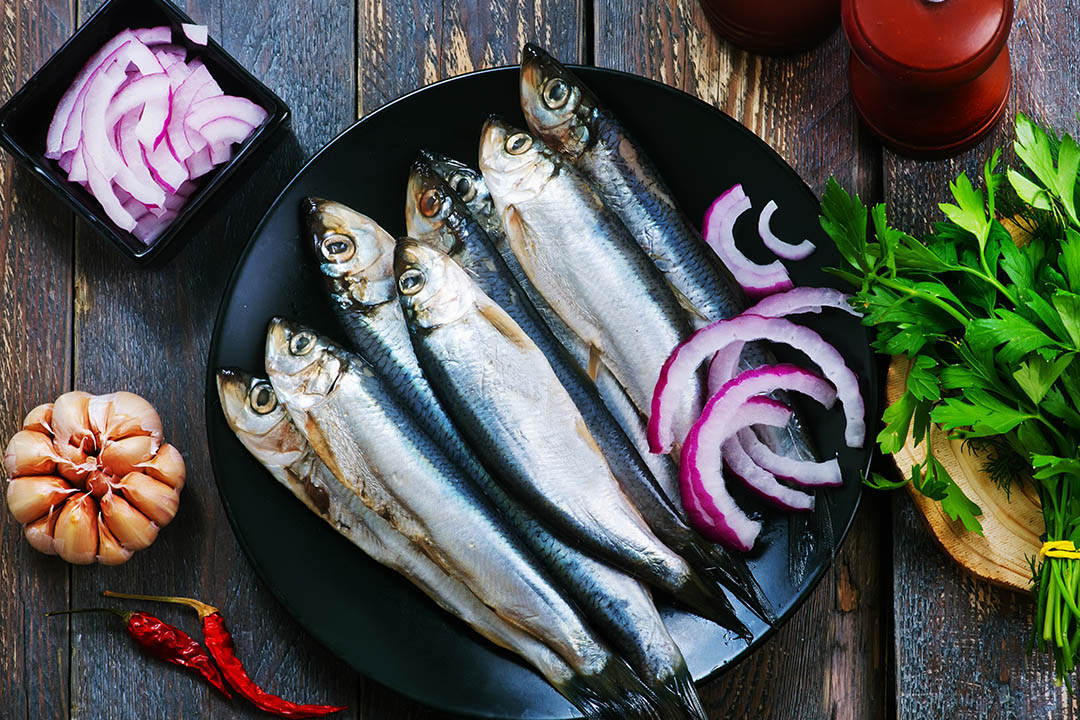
column 123, row 615
column 200, row 607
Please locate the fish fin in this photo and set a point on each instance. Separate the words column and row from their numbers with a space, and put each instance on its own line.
column 595, row 355
column 679, row 691
column 615, row 693
column 710, row 602
column 731, row 572
column 697, row 317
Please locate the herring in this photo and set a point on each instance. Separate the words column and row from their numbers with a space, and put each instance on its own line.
column 584, row 262
column 437, row 213
column 503, row 394
column 377, row 449
column 262, row 425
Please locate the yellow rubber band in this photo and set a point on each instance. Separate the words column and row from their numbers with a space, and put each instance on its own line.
column 1059, row 549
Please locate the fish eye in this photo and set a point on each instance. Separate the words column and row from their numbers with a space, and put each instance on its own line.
column 302, row 342
column 463, row 186
column 518, row 143
column 430, row 202
column 556, row 93
column 411, row 281
column 338, row 248
column 262, row 398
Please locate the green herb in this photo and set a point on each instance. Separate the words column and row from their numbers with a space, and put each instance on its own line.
column 991, row 328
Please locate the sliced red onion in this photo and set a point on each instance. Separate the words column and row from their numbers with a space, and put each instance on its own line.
column 159, row 35
column 200, row 163
column 182, row 99
column 195, row 33
column 727, row 412
column 72, row 132
column 719, row 231
column 96, row 142
column 63, row 115
column 150, row 92
column 803, row 473
column 220, row 152
column 147, row 191
column 802, row 300
column 792, row 302
column 150, row 227
column 178, row 72
column 680, row 368
column 780, row 248
column 225, row 130
column 209, row 91
column 205, row 111
column 760, row 481
column 77, row 174
column 103, row 191
column 166, row 170
column 65, row 161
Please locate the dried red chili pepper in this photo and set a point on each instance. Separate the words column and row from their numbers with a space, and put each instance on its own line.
column 220, row 644
column 165, row 642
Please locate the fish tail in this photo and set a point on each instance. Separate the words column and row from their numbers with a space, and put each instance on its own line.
column 710, row 602
column 615, row 693
column 732, row 573
column 680, row 695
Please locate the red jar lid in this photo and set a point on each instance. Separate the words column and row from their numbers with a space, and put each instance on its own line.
column 925, row 42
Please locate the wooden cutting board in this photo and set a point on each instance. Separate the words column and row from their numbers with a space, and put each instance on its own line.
column 1011, row 524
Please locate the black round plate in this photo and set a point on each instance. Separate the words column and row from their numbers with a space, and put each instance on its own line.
column 373, row 619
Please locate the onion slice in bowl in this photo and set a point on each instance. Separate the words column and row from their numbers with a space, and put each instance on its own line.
column 679, row 369
column 709, row 505
column 197, row 34
column 719, row 231
column 780, row 248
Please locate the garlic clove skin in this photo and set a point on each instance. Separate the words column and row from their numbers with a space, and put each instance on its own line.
column 75, row 537
column 31, row 497
column 134, row 530
column 167, row 467
column 154, row 499
column 131, row 415
column 71, row 421
column 110, row 551
column 40, row 533
column 122, row 456
column 39, row 419
column 73, row 464
column 29, row 453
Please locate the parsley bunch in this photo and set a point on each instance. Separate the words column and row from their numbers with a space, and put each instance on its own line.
column 991, row 327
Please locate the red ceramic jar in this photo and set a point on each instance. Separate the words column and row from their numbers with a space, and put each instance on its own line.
column 773, row 27
column 929, row 78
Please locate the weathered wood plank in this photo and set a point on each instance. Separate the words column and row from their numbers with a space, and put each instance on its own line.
column 961, row 644
column 36, row 236
column 828, row 660
column 149, row 332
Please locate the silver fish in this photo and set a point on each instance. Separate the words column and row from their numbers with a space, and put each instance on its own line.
column 265, row 429
column 469, row 186
column 583, row 261
column 568, row 116
column 377, row 449
column 504, row 395
column 436, row 214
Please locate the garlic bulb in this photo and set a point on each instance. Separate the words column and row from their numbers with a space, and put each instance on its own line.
column 90, row 477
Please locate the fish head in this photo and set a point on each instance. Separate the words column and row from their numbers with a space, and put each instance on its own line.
column 557, row 106
column 429, row 206
column 261, row 423
column 433, row 289
column 515, row 164
column 304, row 367
column 465, row 182
column 354, row 254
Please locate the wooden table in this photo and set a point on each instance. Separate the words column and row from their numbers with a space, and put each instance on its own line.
column 894, row 629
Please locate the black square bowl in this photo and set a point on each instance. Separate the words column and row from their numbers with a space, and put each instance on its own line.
column 24, row 120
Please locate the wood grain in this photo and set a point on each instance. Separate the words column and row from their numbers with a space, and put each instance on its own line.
column 961, row 645
column 828, row 660
column 35, row 366
column 149, row 332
